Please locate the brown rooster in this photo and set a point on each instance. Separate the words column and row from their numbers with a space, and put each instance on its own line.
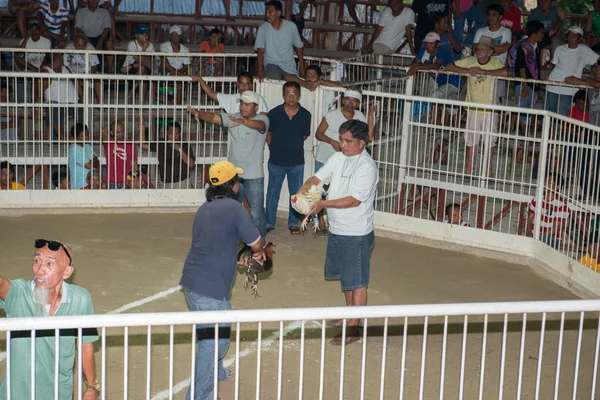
column 255, row 266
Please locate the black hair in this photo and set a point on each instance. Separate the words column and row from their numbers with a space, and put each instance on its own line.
column 358, row 129
column 214, row 31
column 59, row 176
column 555, row 179
column 450, row 207
column 245, row 74
column 6, row 165
column 438, row 18
column 496, row 7
column 580, row 95
column 174, row 124
column 317, row 69
column 276, row 4
column 222, row 191
column 77, row 129
column 291, row 84
column 533, row 27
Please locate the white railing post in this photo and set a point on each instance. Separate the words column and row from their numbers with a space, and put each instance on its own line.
column 405, row 134
column 379, row 72
column 86, row 89
column 539, row 195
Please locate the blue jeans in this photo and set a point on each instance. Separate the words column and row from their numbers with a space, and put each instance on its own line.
column 295, row 178
column 205, row 358
column 560, row 104
column 525, row 102
column 254, row 191
column 473, row 14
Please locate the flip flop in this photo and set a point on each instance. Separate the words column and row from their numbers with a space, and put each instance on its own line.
column 322, row 232
column 294, row 230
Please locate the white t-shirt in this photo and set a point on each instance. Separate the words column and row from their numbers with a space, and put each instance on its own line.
column 501, row 36
column 355, row 176
column 61, row 89
column 36, row 59
column 334, row 119
column 394, row 28
column 135, row 47
column 76, row 61
column 230, row 103
column 176, row 62
column 569, row 62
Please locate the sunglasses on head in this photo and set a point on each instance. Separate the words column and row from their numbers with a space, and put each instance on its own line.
column 52, row 245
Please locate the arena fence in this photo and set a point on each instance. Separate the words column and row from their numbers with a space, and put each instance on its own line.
column 539, row 350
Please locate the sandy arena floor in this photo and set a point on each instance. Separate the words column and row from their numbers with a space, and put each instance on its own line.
column 123, row 259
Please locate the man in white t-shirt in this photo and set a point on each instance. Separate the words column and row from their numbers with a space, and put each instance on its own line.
column 137, row 64
column 95, row 23
column 76, row 62
column 502, row 38
column 174, row 65
column 231, row 102
column 353, row 176
column 393, row 30
column 569, row 60
column 32, row 62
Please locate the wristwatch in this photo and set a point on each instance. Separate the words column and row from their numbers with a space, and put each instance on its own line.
column 95, row 385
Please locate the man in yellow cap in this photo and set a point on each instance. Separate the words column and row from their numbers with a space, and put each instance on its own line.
column 210, row 266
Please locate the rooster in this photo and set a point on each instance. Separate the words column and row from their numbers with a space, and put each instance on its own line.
column 303, row 203
column 255, row 266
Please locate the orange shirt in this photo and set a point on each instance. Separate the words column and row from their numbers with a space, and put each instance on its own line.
column 205, row 48
column 16, row 186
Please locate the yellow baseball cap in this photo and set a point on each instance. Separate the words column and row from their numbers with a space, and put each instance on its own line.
column 222, row 172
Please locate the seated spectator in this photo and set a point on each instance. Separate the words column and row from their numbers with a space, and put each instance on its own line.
column 447, row 41
column 593, row 92
column 76, row 62
column 135, row 180
column 502, row 39
column 466, row 11
column 8, row 181
column 480, row 89
column 212, row 66
column 94, row 181
column 95, row 24
column 554, row 210
column 579, row 110
column 175, row 158
column 313, row 79
column 231, row 102
column 121, row 156
column 590, row 259
column 138, row 64
column 60, row 91
column 393, row 29
column 453, row 215
column 8, row 124
column 592, row 27
column 60, row 179
column 22, row 10
column 569, row 60
column 81, row 156
column 112, row 10
column 552, row 18
column 32, row 62
column 173, row 65
column 55, row 22
column 512, row 19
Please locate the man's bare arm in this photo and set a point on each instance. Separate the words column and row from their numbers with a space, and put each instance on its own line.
column 205, row 87
column 88, row 365
column 4, row 287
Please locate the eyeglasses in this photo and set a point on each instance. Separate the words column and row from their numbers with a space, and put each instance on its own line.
column 52, row 245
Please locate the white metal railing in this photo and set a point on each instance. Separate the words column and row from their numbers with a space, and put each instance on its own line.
column 477, row 350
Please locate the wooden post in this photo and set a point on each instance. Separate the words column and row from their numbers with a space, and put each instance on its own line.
column 198, row 9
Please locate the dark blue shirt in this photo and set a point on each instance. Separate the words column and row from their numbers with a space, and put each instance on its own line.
column 446, row 56
column 287, row 136
column 210, row 265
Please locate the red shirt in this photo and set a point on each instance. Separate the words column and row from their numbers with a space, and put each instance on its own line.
column 576, row 113
column 512, row 20
column 556, row 209
column 120, row 159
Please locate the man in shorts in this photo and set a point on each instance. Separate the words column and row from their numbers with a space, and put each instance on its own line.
column 353, row 178
column 95, row 23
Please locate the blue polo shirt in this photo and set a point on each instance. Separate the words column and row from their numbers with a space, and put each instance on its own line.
column 445, row 55
column 287, row 136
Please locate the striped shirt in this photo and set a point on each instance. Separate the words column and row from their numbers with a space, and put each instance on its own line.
column 52, row 20
column 557, row 209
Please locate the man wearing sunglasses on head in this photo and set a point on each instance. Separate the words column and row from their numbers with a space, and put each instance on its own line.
column 46, row 295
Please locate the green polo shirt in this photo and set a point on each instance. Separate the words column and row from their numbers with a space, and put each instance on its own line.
column 19, row 303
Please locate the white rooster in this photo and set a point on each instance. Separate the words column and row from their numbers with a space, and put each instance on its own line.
column 303, row 203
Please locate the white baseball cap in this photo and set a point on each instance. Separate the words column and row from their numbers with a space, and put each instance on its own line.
column 250, row 97
column 175, row 29
column 576, row 29
column 431, row 37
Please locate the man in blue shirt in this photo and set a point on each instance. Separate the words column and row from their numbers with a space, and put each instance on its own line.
column 210, row 266
column 288, row 129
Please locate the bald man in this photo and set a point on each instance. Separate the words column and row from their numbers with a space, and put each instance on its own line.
column 47, row 295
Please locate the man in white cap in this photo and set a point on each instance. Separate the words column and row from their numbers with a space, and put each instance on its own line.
column 569, row 60
column 246, row 147
column 393, row 29
column 209, row 270
column 174, row 65
column 328, row 132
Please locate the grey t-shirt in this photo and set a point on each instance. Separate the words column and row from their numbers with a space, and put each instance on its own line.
column 94, row 23
column 279, row 45
column 247, row 146
column 210, row 265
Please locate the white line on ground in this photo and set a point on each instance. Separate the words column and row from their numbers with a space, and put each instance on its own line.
column 129, row 306
column 266, row 343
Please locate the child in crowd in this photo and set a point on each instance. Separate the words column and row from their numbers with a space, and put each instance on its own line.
column 212, row 66
column 554, row 213
column 121, row 156
column 60, row 179
column 579, row 111
column 453, row 215
column 81, row 156
column 135, row 180
column 94, row 181
column 8, row 177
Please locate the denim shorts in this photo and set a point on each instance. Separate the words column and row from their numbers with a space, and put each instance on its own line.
column 348, row 258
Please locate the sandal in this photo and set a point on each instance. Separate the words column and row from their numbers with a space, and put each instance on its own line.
column 322, row 232
column 294, row 230
column 352, row 335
